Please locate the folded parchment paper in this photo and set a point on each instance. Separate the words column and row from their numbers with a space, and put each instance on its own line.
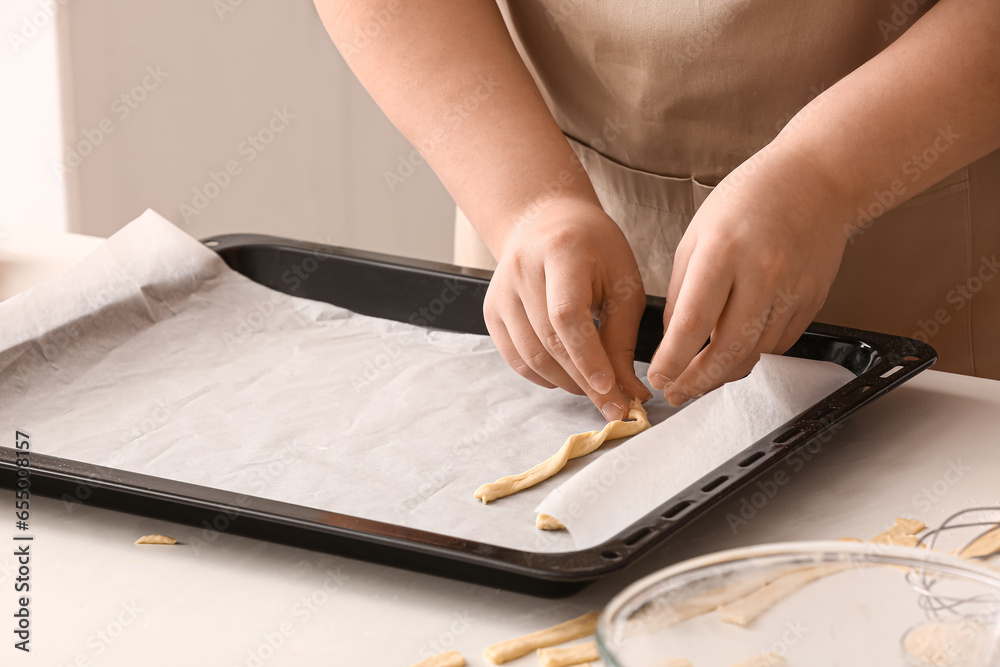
column 151, row 355
column 679, row 451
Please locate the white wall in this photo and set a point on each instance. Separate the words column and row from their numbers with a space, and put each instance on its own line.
column 219, row 78
column 31, row 196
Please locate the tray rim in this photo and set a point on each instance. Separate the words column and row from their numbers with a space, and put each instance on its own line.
column 588, row 564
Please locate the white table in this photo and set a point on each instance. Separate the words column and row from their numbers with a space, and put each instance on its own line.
column 928, row 449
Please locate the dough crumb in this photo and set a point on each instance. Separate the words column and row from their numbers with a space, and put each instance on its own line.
column 902, row 534
column 548, row 522
column 155, row 539
column 449, row 659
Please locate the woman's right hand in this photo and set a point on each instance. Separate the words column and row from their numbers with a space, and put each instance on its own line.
column 564, row 265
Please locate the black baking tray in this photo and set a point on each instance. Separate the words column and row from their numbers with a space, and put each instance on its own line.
column 410, row 290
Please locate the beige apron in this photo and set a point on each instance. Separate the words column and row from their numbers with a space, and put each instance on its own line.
column 660, row 100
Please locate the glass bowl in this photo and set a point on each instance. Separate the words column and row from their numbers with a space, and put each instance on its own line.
column 820, row 604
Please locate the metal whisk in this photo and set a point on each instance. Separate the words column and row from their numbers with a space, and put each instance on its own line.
column 957, row 527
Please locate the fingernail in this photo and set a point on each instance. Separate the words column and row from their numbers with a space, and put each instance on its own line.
column 601, row 383
column 676, row 399
column 660, row 381
column 613, row 411
column 646, row 394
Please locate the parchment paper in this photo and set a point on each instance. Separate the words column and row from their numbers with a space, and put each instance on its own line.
column 689, row 445
column 152, row 356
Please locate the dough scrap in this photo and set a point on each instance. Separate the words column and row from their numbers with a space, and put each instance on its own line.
column 902, row 534
column 943, row 644
column 155, row 539
column 984, row 545
column 674, row 662
column 575, row 446
column 769, row 659
column 747, row 609
column 548, row 522
column 449, row 659
column 698, row 605
column 512, row 649
column 568, row 655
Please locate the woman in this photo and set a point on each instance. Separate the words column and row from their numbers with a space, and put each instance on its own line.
column 582, row 140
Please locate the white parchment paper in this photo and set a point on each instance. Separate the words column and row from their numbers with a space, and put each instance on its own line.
column 152, row 356
column 659, row 463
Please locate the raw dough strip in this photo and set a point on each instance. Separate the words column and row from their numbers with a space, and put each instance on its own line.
column 745, row 610
column 984, row 545
column 709, row 601
column 548, row 522
column 512, row 649
column 575, row 446
column 449, row 659
column 569, row 655
column 155, row 539
column 675, row 662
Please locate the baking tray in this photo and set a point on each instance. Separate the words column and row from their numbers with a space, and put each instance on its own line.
column 397, row 288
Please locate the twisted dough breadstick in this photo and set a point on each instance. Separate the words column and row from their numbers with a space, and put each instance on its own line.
column 575, row 446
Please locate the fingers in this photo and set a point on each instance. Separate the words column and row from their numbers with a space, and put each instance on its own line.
column 501, row 337
column 527, row 354
column 793, row 331
column 618, row 333
column 733, row 347
column 699, row 305
column 681, row 259
column 746, row 329
column 519, row 340
column 568, row 299
column 613, row 404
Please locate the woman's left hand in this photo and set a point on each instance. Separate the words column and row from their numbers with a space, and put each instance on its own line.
column 752, row 270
